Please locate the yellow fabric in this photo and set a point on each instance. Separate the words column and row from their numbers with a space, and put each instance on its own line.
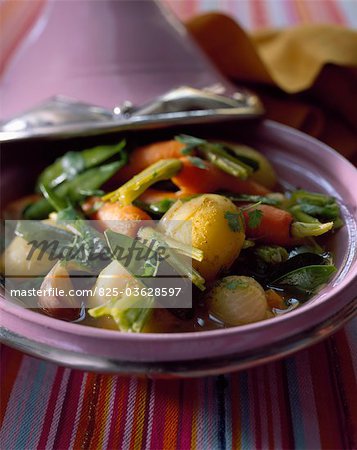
column 306, row 75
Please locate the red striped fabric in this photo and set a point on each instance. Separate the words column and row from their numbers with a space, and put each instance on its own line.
column 305, row 401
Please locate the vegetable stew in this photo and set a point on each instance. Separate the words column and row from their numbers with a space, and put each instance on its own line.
column 247, row 250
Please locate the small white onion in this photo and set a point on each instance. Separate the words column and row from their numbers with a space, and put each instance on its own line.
column 237, row 300
column 112, row 279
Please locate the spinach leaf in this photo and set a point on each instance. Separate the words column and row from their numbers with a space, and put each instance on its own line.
column 306, row 279
column 296, row 262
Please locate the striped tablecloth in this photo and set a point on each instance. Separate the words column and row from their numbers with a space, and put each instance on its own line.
column 307, row 401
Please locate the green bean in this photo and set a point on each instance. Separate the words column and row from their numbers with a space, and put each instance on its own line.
column 72, row 190
column 73, row 163
column 303, row 229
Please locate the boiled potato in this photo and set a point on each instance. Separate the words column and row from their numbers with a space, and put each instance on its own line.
column 237, row 300
column 265, row 175
column 211, row 223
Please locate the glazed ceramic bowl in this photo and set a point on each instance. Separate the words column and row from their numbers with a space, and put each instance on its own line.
column 301, row 161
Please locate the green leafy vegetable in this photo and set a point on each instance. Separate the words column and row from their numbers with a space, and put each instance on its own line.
column 307, row 279
column 127, row 311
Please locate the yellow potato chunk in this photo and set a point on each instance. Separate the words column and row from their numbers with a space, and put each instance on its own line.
column 211, row 223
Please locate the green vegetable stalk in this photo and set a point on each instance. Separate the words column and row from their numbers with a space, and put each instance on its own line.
column 132, row 189
column 176, row 262
column 274, row 199
column 306, row 206
column 129, row 312
column 307, row 225
column 149, row 234
column 303, row 229
column 218, row 155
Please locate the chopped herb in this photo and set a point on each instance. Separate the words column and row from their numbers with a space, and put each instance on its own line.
column 255, row 218
column 234, row 284
column 234, row 220
column 198, row 162
column 190, row 142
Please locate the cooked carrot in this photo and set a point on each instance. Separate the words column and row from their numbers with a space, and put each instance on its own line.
column 194, row 179
column 143, row 157
column 274, row 299
column 273, row 226
column 122, row 219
